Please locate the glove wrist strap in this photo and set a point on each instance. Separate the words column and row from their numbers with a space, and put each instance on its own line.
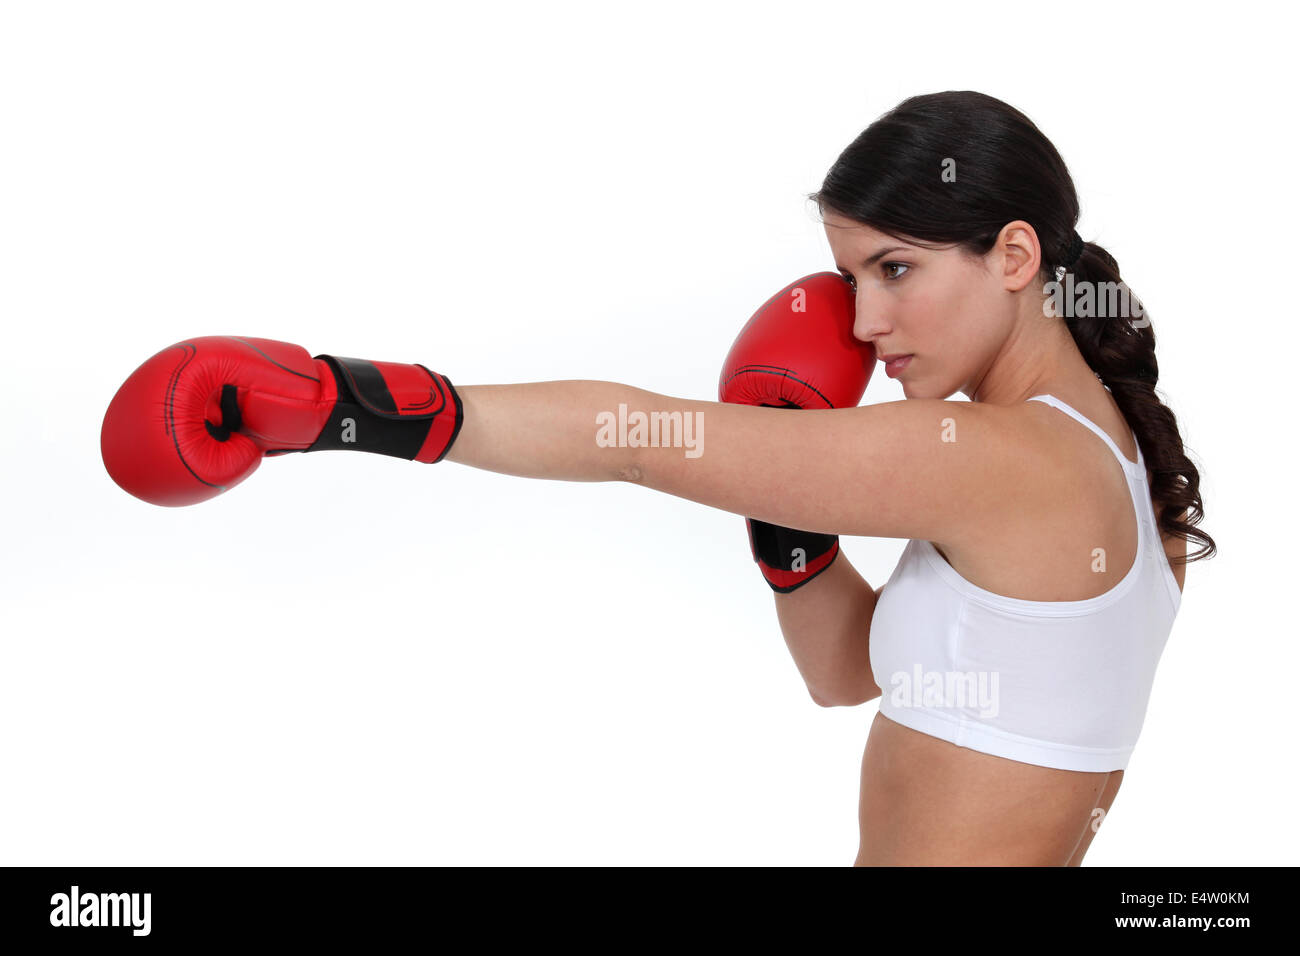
column 387, row 408
column 789, row 558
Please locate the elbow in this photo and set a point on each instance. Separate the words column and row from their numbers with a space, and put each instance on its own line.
column 843, row 697
column 630, row 466
column 630, row 472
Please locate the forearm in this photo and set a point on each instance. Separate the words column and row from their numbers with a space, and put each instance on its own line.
column 827, row 627
column 541, row 429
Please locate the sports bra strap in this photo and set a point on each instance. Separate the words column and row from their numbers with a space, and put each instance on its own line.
column 1149, row 537
column 1136, row 469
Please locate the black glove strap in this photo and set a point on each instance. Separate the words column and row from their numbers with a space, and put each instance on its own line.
column 365, row 416
column 781, row 548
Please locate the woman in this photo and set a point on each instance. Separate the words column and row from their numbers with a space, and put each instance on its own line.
column 1013, row 648
column 951, row 215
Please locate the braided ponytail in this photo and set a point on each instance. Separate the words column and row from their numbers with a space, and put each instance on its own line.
column 1115, row 337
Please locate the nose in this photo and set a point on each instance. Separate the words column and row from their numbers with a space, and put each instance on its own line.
column 867, row 325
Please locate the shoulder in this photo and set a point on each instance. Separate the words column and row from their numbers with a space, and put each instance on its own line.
column 1002, row 429
column 1087, row 476
column 1080, row 457
column 1026, row 440
column 972, row 466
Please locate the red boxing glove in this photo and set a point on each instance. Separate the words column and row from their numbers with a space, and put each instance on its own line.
column 197, row 418
column 798, row 351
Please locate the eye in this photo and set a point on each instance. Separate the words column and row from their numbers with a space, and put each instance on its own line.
column 894, row 265
column 850, row 280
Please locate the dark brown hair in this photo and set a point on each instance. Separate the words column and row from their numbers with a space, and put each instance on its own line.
column 890, row 178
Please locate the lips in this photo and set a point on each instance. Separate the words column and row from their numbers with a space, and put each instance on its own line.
column 894, row 364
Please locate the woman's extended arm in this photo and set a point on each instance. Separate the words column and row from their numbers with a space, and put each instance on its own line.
column 922, row 468
column 943, row 471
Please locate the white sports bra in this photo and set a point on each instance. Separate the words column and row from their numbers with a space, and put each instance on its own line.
column 1061, row 684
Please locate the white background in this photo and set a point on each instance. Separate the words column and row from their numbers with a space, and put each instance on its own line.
column 350, row 659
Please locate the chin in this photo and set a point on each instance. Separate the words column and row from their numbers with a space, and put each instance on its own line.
column 922, row 390
column 913, row 390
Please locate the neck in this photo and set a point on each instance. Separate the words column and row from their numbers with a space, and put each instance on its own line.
column 1038, row 356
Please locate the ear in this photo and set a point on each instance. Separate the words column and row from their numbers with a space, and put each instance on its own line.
column 1020, row 255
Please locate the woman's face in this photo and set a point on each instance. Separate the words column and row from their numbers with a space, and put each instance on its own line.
column 943, row 314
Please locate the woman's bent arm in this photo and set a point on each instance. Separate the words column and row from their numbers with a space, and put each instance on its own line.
column 827, row 626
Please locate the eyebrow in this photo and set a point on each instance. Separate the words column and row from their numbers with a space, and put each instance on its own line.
column 867, row 263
